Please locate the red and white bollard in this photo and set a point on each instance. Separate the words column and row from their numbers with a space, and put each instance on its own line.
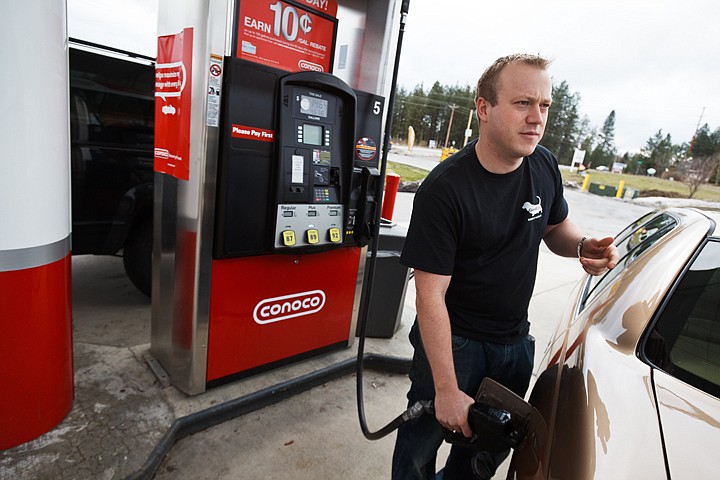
column 36, row 363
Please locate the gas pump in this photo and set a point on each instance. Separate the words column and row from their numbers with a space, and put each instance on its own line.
column 293, row 184
column 260, row 253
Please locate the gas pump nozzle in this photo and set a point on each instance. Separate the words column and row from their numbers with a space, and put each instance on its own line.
column 368, row 205
column 499, row 419
column 493, row 430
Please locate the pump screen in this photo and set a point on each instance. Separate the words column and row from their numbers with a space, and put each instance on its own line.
column 313, row 106
column 312, row 134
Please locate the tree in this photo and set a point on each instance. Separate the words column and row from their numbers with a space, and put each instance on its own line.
column 659, row 153
column 429, row 113
column 563, row 127
column 697, row 171
column 706, row 145
column 605, row 151
column 463, row 99
column 400, row 122
column 438, row 115
column 416, row 105
column 635, row 164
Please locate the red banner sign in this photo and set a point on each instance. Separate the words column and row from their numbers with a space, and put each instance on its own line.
column 281, row 35
column 173, row 82
column 252, row 133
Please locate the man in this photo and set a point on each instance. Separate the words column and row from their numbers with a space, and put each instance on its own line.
column 473, row 241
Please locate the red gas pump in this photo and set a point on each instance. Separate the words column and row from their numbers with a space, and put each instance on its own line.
column 260, row 252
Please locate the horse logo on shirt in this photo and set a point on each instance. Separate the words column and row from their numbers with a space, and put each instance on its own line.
column 534, row 210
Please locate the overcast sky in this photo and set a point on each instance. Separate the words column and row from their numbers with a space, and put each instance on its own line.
column 656, row 63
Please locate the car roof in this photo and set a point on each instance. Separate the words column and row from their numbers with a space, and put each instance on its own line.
column 644, row 278
column 713, row 213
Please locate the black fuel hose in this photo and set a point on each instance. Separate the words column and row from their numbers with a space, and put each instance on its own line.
column 420, row 407
column 416, row 410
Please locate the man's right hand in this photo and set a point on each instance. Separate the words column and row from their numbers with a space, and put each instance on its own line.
column 451, row 404
column 451, row 410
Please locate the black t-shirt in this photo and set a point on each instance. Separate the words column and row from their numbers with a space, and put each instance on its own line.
column 485, row 229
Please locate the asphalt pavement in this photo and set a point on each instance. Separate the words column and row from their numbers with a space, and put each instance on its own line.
column 122, row 421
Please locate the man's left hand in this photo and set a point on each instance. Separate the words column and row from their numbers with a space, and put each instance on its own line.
column 598, row 256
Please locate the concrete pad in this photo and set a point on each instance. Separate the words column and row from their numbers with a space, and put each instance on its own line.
column 122, row 412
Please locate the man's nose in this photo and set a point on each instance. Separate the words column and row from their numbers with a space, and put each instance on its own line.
column 535, row 115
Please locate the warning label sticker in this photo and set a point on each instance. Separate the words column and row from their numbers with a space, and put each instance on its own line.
column 365, row 149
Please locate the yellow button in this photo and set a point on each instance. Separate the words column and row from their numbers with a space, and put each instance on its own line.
column 335, row 236
column 288, row 238
column 313, row 236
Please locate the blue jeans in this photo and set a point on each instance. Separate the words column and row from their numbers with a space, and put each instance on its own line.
column 418, row 440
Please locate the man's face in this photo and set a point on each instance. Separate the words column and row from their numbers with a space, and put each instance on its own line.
column 514, row 126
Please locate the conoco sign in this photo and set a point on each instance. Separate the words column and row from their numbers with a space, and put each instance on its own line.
column 289, row 36
column 276, row 309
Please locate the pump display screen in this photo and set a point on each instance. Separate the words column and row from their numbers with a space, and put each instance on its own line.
column 312, row 134
column 313, row 106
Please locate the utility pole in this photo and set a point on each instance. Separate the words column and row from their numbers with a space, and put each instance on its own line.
column 452, row 114
column 697, row 127
column 468, row 132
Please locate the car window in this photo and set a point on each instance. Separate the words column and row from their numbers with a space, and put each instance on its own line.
column 112, row 100
column 631, row 243
column 685, row 342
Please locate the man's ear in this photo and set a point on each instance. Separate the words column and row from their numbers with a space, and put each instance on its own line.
column 481, row 106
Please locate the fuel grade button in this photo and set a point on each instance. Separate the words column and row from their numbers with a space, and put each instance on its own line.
column 334, row 235
column 288, row 238
column 313, row 236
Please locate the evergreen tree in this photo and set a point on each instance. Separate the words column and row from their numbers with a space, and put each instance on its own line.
column 563, row 125
column 463, row 99
column 604, row 153
column 705, row 148
column 417, row 117
column 659, row 153
column 400, row 115
column 437, row 99
column 429, row 114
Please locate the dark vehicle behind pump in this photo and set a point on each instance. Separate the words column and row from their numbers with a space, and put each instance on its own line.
column 111, row 129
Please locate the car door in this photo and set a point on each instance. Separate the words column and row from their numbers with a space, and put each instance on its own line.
column 684, row 345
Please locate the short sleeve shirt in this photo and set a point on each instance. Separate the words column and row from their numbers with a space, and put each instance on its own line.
column 484, row 230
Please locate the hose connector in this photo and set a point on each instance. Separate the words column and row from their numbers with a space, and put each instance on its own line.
column 418, row 409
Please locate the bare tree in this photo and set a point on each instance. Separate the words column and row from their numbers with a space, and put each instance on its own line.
column 697, row 171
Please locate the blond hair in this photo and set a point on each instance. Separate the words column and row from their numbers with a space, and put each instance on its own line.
column 487, row 85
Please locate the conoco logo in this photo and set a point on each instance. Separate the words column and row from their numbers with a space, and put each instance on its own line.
column 162, row 153
column 289, row 306
column 305, row 65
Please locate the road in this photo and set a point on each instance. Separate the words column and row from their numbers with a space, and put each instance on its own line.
column 421, row 157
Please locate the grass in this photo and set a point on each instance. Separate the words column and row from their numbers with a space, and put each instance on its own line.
column 406, row 172
column 648, row 186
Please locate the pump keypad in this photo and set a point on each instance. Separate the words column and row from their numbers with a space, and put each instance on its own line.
column 322, row 195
